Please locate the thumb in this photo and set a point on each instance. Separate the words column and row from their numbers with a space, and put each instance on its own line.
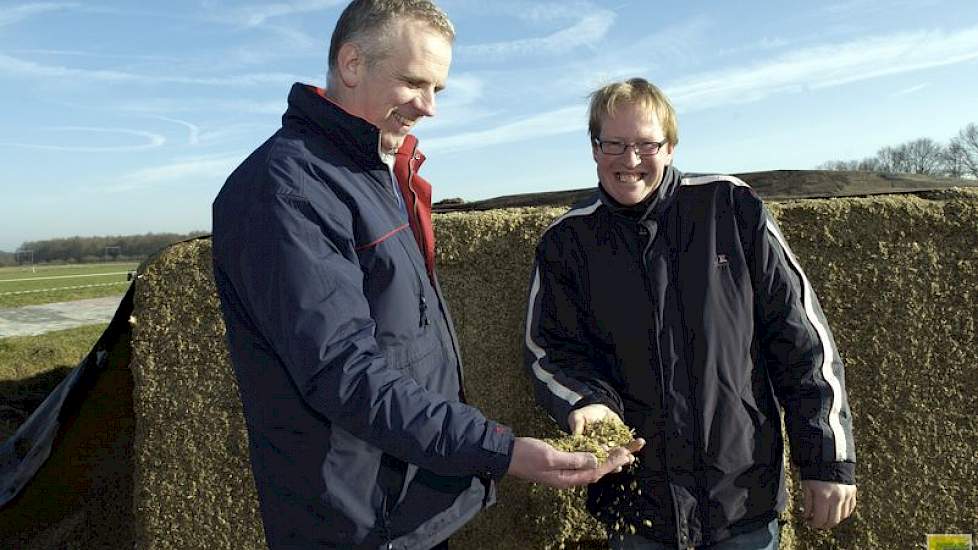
column 576, row 421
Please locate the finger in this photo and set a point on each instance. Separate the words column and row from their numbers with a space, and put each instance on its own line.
column 820, row 514
column 833, row 513
column 576, row 421
column 807, row 506
column 565, row 479
column 850, row 506
column 618, row 458
column 635, row 445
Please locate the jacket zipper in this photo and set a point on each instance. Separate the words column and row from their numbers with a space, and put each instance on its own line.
column 433, row 278
column 697, row 425
column 423, row 305
column 658, row 351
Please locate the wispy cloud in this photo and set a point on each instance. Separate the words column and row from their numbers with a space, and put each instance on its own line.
column 98, row 55
column 229, row 132
column 19, row 67
column 193, row 136
column 276, row 42
column 160, row 105
column 809, row 68
column 848, row 7
column 257, row 14
column 826, row 66
column 152, row 141
column 14, row 14
column 204, row 170
column 590, row 25
column 462, row 103
column 556, row 122
column 910, row 90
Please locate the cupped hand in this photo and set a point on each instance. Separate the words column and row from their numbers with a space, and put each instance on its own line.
column 537, row 461
column 578, row 419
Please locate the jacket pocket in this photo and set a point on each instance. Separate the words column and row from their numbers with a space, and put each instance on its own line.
column 350, row 473
column 415, row 356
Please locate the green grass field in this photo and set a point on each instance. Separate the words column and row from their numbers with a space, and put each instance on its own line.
column 31, row 366
column 22, row 286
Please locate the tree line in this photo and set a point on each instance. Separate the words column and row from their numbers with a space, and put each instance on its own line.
column 93, row 249
column 956, row 159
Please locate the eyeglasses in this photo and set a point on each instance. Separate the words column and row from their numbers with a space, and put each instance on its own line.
column 643, row 148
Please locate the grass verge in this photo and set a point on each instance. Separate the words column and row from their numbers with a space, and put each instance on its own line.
column 21, row 286
column 31, row 366
column 62, row 295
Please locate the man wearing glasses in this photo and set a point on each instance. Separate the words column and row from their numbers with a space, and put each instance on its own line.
column 674, row 303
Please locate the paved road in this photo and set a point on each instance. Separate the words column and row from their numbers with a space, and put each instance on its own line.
column 34, row 320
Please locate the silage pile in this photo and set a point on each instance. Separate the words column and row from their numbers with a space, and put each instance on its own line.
column 897, row 279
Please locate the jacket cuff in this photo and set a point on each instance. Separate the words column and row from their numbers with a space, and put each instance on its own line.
column 498, row 441
column 837, row 472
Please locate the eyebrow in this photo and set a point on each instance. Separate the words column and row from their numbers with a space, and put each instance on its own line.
column 639, row 140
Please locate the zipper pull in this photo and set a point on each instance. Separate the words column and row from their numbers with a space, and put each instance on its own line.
column 423, row 306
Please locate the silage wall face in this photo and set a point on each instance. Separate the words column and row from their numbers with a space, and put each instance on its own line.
column 896, row 276
column 193, row 483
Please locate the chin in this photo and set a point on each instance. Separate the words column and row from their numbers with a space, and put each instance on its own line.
column 629, row 197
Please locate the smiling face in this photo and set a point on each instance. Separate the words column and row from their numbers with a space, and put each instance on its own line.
column 629, row 178
column 395, row 91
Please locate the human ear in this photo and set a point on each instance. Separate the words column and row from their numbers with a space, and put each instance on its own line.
column 350, row 63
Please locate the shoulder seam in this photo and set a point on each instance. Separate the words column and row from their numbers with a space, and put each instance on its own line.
column 703, row 180
column 576, row 212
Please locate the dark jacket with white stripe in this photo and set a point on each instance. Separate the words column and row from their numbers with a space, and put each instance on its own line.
column 694, row 321
column 344, row 352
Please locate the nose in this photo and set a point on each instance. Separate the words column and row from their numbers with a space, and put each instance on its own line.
column 426, row 103
column 631, row 156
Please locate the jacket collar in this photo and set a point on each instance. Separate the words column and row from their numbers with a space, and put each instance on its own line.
column 309, row 105
column 661, row 199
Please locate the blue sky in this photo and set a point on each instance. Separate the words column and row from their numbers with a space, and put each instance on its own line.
column 126, row 117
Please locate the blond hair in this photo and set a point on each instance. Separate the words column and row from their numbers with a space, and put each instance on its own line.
column 636, row 91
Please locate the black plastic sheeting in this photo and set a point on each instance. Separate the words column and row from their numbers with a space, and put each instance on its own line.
column 24, row 453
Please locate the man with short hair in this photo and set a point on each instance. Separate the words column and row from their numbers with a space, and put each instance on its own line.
column 346, row 360
column 674, row 303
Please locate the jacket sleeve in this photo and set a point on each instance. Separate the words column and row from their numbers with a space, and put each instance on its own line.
column 803, row 362
column 301, row 283
column 564, row 372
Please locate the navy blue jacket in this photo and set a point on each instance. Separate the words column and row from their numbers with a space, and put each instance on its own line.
column 342, row 346
column 692, row 320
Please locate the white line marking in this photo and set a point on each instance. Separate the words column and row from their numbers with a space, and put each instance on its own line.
column 62, row 288
column 62, row 277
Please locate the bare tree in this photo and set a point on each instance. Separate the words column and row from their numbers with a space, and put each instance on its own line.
column 967, row 140
column 893, row 160
column 921, row 156
column 837, row 165
column 953, row 160
column 924, row 156
column 869, row 164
